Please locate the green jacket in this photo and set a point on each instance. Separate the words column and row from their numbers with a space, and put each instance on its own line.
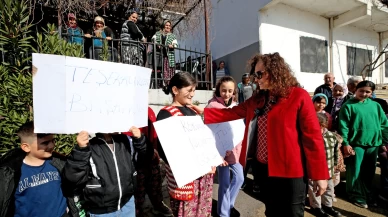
column 362, row 123
column 170, row 40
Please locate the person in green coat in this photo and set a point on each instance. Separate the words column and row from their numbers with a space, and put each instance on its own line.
column 169, row 41
column 363, row 126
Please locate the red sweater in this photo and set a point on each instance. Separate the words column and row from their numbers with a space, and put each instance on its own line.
column 295, row 142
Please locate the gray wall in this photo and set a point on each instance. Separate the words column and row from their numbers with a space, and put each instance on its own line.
column 236, row 62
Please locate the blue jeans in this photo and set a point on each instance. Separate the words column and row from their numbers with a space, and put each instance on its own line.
column 128, row 210
column 228, row 189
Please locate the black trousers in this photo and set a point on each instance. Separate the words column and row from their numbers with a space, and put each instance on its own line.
column 281, row 196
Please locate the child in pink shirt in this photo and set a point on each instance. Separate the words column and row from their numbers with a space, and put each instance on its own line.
column 228, row 189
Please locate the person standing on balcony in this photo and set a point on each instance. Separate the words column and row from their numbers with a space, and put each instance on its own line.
column 220, row 72
column 168, row 39
column 132, row 50
column 74, row 32
column 101, row 31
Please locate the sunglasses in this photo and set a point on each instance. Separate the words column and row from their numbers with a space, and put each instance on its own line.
column 258, row 74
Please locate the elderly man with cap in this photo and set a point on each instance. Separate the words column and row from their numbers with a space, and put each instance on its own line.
column 327, row 89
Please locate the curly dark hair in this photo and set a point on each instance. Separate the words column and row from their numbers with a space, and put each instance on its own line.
column 281, row 78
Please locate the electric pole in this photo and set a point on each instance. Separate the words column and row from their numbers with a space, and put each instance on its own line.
column 207, row 42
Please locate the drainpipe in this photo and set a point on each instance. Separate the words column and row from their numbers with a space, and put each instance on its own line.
column 381, row 68
column 331, row 24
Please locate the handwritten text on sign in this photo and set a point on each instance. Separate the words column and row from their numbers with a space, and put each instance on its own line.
column 73, row 94
column 228, row 135
column 189, row 146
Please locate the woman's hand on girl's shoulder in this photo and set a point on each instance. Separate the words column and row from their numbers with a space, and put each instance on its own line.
column 198, row 109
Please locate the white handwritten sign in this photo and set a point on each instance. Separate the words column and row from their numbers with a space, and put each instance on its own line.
column 73, row 94
column 228, row 135
column 189, row 147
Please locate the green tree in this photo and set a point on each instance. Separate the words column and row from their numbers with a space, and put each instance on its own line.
column 15, row 76
column 16, row 41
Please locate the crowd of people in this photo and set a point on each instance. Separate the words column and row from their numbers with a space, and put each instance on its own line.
column 133, row 44
column 295, row 144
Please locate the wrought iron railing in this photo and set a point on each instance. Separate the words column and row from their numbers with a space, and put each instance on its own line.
column 151, row 55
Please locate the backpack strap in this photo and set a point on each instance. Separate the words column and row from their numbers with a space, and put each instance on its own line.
column 174, row 111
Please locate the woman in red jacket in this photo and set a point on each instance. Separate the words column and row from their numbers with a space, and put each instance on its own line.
column 283, row 134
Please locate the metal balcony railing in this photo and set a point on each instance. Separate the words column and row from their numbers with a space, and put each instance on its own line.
column 151, row 55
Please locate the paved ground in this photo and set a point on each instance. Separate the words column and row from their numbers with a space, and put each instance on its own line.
column 249, row 205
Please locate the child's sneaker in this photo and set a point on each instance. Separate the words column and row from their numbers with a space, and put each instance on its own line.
column 361, row 205
column 331, row 211
column 319, row 212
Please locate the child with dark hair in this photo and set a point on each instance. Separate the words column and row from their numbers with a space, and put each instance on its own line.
column 364, row 127
column 320, row 101
column 195, row 198
column 104, row 167
column 32, row 176
column 323, row 205
column 228, row 187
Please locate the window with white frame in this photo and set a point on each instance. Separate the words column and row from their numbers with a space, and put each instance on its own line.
column 357, row 59
column 313, row 55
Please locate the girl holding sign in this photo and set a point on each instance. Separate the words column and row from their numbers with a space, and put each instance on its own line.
column 227, row 189
column 195, row 198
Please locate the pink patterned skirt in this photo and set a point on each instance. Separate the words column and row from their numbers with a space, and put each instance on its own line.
column 168, row 72
column 201, row 205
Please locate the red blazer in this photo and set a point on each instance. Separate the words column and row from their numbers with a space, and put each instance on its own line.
column 295, row 142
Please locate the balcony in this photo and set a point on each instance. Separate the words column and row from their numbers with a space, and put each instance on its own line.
column 150, row 55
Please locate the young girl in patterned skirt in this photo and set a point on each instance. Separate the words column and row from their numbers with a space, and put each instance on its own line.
column 195, row 198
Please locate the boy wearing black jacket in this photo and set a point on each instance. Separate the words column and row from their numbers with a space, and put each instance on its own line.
column 104, row 168
column 30, row 179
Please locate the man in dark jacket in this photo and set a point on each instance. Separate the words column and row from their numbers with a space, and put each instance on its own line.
column 104, row 168
column 31, row 182
column 327, row 89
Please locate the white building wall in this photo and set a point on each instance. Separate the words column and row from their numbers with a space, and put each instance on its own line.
column 281, row 27
column 359, row 38
column 234, row 25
